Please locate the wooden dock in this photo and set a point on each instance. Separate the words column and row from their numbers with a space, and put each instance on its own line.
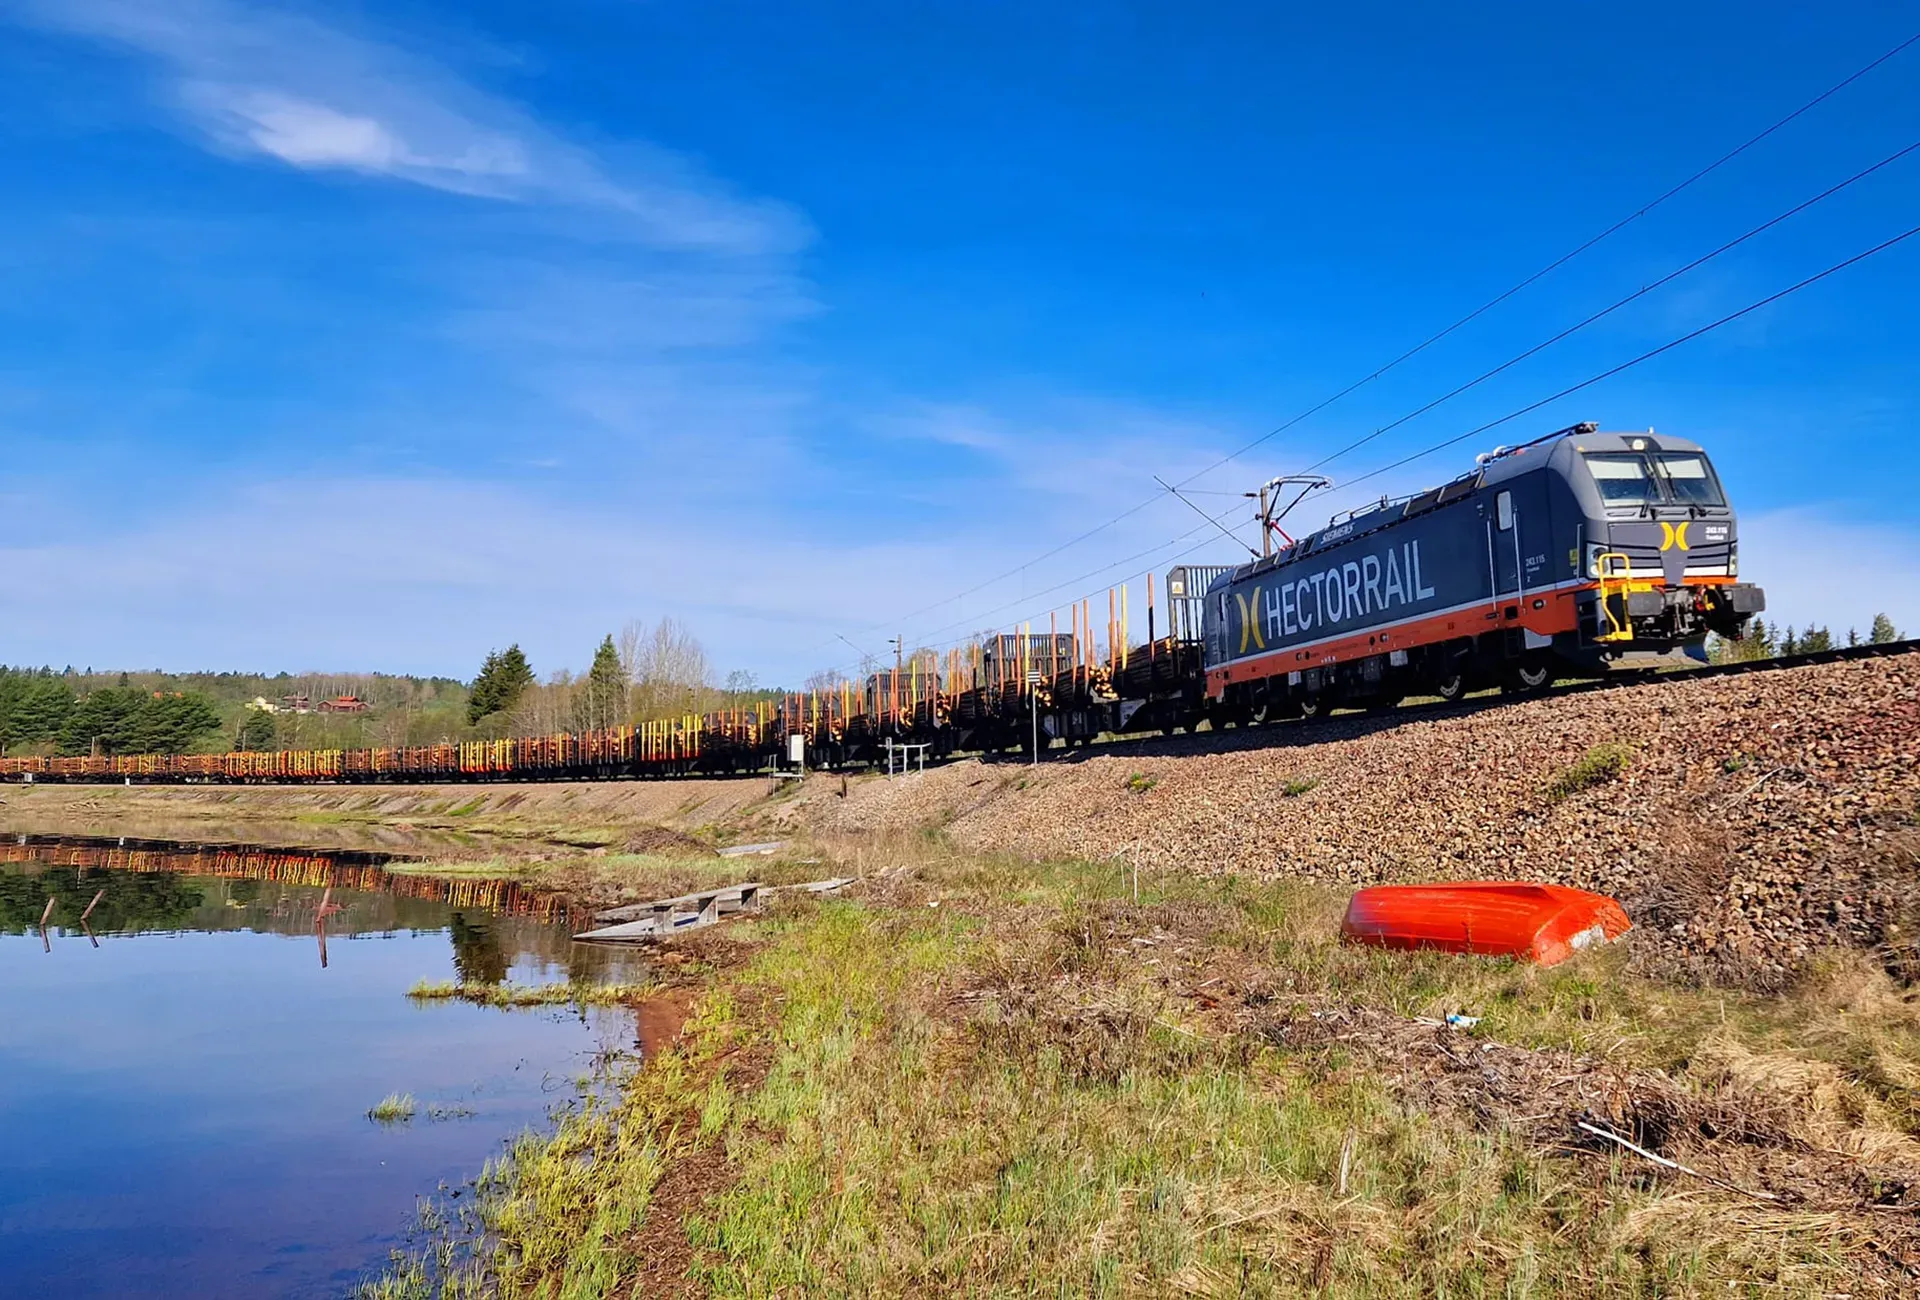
column 665, row 917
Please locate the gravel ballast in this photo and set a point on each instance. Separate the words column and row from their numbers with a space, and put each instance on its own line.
column 1744, row 821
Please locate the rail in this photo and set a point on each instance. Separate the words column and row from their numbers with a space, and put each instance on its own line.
column 682, row 749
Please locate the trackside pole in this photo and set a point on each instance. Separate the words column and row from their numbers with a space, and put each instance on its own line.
column 1033, row 709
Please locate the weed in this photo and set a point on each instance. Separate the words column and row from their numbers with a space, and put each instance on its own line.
column 394, row 1108
column 1140, row 782
column 1737, row 763
column 1603, row 763
column 1008, row 1096
column 528, row 995
column 1299, row 785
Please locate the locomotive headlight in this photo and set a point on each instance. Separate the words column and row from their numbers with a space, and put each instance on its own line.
column 1594, row 551
column 1733, row 559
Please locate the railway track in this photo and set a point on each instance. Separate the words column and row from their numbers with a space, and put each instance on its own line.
column 1248, row 736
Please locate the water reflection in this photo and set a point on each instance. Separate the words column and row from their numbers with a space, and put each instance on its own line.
column 163, row 885
column 207, row 1056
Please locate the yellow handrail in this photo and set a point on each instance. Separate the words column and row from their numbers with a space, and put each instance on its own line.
column 1622, row 626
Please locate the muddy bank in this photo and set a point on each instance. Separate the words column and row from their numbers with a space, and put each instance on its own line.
column 450, row 821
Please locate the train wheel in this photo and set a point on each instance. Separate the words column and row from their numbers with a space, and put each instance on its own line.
column 1312, row 706
column 1451, row 686
column 1528, row 675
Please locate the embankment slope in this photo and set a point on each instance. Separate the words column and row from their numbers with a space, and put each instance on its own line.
column 1753, row 819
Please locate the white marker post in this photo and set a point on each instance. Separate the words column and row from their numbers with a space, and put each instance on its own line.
column 1033, row 707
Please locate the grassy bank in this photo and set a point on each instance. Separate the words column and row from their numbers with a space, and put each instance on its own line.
column 981, row 1076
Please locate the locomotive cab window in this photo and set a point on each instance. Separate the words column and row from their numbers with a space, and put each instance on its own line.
column 1690, row 480
column 1624, row 478
column 1631, row 478
column 1503, row 510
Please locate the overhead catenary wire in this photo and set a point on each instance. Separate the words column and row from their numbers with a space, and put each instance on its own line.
column 1668, row 278
column 1203, row 514
column 1024, row 602
column 1648, row 355
column 1618, row 303
column 1442, row 334
column 1515, row 414
column 1564, row 258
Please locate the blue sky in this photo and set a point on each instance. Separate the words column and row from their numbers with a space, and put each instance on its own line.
column 374, row 336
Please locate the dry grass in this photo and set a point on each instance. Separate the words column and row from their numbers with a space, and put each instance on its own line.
column 530, row 995
column 394, row 1108
column 983, row 1076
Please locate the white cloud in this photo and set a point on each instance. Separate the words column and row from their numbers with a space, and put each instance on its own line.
column 270, row 83
column 307, row 134
column 425, row 575
column 1818, row 566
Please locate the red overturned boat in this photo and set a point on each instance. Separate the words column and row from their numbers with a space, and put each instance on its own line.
column 1539, row 923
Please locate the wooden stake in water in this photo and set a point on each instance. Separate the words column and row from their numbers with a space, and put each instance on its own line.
column 90, row 906
column 47, row 913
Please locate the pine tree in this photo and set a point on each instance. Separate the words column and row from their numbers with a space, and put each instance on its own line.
column 256, row 732
column 1853, row 636
column 1883, row 631
column 603, row 697
column 484, row 698
column 1815, row 639
column 516, row 675
column 1789, row 644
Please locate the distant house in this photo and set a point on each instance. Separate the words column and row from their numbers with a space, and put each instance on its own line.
column 296, row 704
column 344, row 704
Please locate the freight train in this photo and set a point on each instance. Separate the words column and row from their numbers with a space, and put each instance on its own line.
column 1578, row 554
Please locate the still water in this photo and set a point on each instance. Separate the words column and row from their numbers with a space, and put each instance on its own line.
column 185, row 1078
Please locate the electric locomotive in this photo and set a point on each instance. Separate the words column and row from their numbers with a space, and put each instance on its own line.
column 1580, row 553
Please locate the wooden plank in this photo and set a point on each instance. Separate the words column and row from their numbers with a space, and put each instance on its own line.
column 746, row 895
column 750, row 850
column 653, row 927
column 669, row 916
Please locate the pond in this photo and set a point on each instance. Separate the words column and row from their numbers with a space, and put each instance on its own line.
column 186, row 1076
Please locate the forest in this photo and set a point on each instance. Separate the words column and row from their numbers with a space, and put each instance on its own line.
column 642, row 673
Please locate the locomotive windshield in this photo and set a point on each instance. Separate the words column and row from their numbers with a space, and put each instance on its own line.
column 1689, row 479
column 1632, row 478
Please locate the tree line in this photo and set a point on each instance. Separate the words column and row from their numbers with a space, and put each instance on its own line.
column 646, row 673
column 1765, row 641
column 39, row 708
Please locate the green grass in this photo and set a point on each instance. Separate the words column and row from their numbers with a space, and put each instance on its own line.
column 1140, row 782
column 529, row 995
column 1299, row 785
column 1005, row 1095
column 394, row 1108
column 1599, row 765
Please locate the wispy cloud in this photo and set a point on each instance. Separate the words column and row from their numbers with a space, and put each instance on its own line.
column 282, row 85
column 164, row 594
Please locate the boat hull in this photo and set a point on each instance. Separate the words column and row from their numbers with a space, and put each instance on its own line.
column 1544, row 924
